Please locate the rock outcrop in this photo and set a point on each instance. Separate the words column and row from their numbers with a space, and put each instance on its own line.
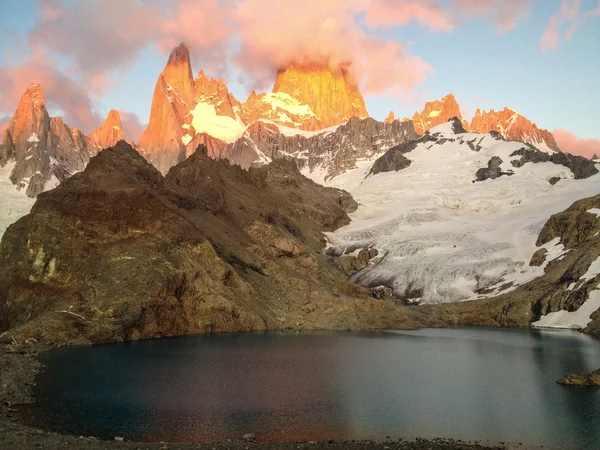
column 513, row 126
column 393, row 159
column 436, row 113
column 118, row 252
column 331, row 94
column 45, row 150
column 579, row 165
column 581, row 379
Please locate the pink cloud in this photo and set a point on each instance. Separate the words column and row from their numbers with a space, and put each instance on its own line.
column 326, row 33
column 549, row 40
column 61, row 93
column 4, row 122
column 132, row 126
column 570, row 143
column 564, row 23
column 505, row 14
column 395, row 13
column 98, row 36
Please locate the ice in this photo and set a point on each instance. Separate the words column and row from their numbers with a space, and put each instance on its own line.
column 13, row 203
column 446, row 236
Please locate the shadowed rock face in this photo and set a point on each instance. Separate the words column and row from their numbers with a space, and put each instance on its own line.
column 332, row 152
column 120, row 252
column 393, row 159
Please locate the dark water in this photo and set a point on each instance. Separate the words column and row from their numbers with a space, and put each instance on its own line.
column 471, row 384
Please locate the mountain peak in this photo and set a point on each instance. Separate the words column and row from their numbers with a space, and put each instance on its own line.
column 436, row 113
column 109, row 133
column 513, row 127
column 390, row 118
column 331, row 94
column 179, row 55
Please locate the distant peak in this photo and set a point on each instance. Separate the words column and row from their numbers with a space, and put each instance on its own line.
column 179, row 55
column 449, row 97
column 113, row 118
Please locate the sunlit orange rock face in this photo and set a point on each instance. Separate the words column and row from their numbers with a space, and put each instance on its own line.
column 332, row 95
column 390, row 118
column 172, row 100
column 108, row 134
column 214, row 91
column 513, row 126
column 436, row 113
column 170, row 136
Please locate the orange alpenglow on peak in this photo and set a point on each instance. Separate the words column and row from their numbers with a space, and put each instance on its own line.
column 513, row 126
column 109, row 133
column 172, row 101
column 332, row 95
column 390, row 118
column 436, row 113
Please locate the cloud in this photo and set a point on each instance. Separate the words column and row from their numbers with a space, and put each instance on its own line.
column 132, row 126
column 564, row 23
column 94, row 41
column 505, row 14
column 4, row 122
column 97, row 36
column 570, row 143
column 61, row 93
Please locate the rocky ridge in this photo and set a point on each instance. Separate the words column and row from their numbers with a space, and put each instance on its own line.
column 514, row 127
column 44, row 150
column 119, row 252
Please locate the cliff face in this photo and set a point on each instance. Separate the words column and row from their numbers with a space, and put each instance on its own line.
column 331, row 95
column 172, row 101
column 119, row 252
column 513, row 126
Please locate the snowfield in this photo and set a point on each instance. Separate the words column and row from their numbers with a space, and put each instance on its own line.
column 14, row 204
column 443, row 237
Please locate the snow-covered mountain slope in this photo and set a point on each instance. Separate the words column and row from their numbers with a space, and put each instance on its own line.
column 321, row 155
column 14, row 204
column 442, row 235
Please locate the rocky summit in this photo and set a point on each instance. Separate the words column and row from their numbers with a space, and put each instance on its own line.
column 436, row 113
column 513, row 126
column 119, row 252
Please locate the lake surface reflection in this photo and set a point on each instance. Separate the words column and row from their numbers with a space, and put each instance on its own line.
column 472, row 384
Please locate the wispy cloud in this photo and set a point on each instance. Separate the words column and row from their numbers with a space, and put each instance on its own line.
column 564, row 23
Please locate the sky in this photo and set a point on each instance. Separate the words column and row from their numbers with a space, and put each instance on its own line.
column 538, row 57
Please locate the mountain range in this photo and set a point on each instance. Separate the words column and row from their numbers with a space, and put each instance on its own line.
column 444, row 211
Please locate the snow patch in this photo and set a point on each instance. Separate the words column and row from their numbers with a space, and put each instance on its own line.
column 33, row 138
column 14, row 204
column 594, row 211
column 206, row 120
column 572, row 319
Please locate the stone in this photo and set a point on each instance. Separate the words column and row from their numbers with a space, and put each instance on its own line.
column 492, row 171
column 248, row 437
column 538, row 258
column 581, row 379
